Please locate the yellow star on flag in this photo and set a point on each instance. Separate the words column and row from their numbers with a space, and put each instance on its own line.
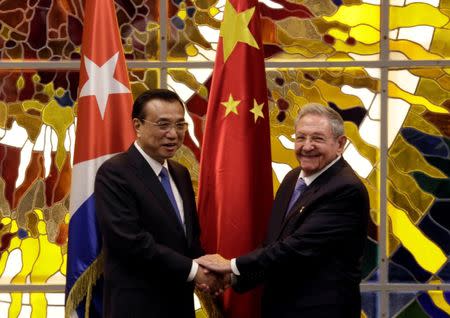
column 257, row 110
column 234, row 28
column 231, row 105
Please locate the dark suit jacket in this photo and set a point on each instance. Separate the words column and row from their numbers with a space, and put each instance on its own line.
column 311, row 259
column 148, row 257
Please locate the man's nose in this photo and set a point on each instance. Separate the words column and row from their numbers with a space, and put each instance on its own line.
column 172, row 132
column 308, row 144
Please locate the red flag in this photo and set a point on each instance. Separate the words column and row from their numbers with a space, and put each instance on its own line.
column 235, row 187
column 105, row 100
column 104, row 128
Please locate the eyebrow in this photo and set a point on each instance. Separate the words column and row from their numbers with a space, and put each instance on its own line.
column 168, row 119
column 313, row 134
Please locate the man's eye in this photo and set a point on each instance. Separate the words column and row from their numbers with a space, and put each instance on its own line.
column 318, row 139
column 163, row 125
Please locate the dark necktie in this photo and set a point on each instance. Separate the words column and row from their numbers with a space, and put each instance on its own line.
column 300, row 187
column 165, row 181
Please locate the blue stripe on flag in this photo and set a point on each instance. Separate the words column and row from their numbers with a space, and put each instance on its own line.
column 84, row 247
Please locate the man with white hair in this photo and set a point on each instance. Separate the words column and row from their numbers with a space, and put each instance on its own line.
column 310, row 261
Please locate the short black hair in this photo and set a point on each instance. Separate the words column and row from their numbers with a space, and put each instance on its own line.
column 151, row 94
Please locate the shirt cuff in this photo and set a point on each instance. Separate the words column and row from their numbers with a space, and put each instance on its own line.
column 193, row 272
column 234, row 268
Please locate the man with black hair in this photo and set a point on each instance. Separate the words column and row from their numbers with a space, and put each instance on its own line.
column 148, row 219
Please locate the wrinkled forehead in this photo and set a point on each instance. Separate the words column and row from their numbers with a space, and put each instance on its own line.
column 313, row 124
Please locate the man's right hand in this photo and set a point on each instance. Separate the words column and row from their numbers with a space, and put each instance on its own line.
column 211, row 282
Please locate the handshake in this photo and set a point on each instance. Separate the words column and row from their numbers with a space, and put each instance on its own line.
column 214, row 274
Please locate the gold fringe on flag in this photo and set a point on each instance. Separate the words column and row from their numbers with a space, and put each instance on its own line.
column 83, row 287
column 209, row 304
column 85, row 283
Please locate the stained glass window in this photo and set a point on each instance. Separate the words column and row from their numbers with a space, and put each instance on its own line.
column 52, row 30
column 28, row 304
column 383, row 66
column 418, row 177
column 430, row 303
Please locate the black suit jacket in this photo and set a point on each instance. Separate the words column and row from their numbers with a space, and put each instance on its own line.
column 148, row 256
column 311, row 259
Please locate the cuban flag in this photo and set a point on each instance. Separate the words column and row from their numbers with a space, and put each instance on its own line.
column 104, row 128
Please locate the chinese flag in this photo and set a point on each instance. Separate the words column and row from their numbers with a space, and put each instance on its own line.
column 235, row 187
column 104, row 128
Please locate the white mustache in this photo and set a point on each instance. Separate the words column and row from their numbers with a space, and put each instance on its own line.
column 312, row 154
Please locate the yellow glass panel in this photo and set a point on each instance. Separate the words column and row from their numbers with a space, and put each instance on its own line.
column 438, row 298
column 213, row 11
column 366, row 150
column 38, row 305
column 60, row 119
column 338, row 34
column 365, row 34
column 333, row 93
column 395, row 91
column 372, row 183
column 30, row 252
column 416, row 14
column 63, row 267
column 356, row 15
column 435, row 91
column 358, row 48
column 412, row 50
column 427, row 254
column 410, row 15
column 407, row 159
column 191, row 50
column 3, row 258
column 16, row 305
column 48, row 262
column 20, row 83
column 416, row 120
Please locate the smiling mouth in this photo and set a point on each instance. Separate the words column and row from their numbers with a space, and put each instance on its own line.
column 309, row 156
column 170, row 146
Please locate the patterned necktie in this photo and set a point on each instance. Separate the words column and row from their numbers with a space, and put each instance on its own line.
column 165, row 181
column 300, row 186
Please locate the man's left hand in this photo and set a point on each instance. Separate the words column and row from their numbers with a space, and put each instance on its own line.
column 215, row 263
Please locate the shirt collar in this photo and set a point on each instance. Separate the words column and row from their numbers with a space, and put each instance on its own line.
column 311, row 178
column 155, row 165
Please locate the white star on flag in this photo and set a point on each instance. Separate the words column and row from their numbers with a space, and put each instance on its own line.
column 101, row 82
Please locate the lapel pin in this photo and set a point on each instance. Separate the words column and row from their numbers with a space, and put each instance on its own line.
column 301, row 210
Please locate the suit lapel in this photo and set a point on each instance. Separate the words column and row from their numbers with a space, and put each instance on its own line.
column 182, row 187
column 313, row 192
column 148, row 177
column 304, row 201
column 281, row 204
